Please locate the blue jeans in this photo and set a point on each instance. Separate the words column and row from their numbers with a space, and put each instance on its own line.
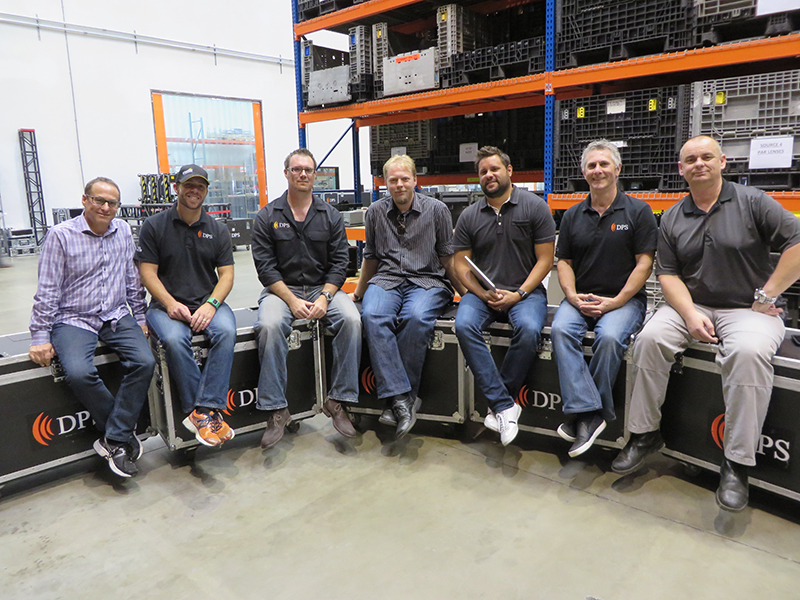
column 274, row 325
column 527, row 317
column 207, row 388
column 398, row 325
column 114, row 415
column 586, row 388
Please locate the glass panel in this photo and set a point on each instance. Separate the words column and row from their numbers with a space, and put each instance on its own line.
column 217, row 134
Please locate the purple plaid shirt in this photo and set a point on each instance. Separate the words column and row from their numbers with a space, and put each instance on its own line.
column 85, row 279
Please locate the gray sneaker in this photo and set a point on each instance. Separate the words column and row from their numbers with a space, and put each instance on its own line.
column 117, row 457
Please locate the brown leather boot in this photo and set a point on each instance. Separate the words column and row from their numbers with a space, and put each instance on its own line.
column 338, row 414
column 276, row 425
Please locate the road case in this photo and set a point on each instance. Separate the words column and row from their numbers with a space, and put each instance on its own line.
column 540, row 395
column 304, row 362
column 444, row 386
column 45, row 424
column 693, row 417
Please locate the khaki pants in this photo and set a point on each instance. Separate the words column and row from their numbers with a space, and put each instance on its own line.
column 748, row 341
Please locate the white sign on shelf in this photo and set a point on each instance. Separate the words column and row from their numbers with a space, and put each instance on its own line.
column 398, row 150
column 771, row 152
column 767, row 7
column 467, row 152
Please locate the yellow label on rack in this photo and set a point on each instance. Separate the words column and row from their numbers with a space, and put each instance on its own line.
column 652, row 104
column 581, row 112
column 720, row 98
column 444, row 16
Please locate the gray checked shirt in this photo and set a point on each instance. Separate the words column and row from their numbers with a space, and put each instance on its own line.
column 408, row 246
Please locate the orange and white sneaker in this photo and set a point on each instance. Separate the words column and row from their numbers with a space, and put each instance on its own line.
column 221, row 428
column 203, row 427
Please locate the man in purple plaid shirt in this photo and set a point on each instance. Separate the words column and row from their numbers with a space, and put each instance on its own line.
column 88, row 288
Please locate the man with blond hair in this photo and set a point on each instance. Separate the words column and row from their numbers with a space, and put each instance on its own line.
column 405, row 285
column 713, row 263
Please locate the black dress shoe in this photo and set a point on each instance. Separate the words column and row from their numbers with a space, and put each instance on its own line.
column 733, row 489
column 387, row 417
column 636, row 450
column 590, row 425
column 405, row 409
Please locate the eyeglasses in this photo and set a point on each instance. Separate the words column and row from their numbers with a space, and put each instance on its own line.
column 98, row 202
column 400, row 219
column 298, row 170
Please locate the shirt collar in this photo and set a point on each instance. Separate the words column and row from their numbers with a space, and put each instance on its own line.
column 727, row 193
column 416, row 204
column 616, row 203
column 84, row 226
column 512, row 199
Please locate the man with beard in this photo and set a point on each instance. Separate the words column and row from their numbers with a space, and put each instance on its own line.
column 510, row 236
column 186, row 263
column 404, row 287
column 713, row 263
column 605, row 254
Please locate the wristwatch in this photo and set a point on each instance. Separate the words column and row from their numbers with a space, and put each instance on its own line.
column 522, row 294
column 213, row 302
column 761, row 297
column 328, row 296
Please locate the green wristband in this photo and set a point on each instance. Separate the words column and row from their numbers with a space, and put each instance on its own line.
column 213, row 302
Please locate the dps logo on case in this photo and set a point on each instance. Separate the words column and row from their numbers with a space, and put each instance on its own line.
column 773, row 445
column 45, row 428
column 538, row 399
column 368, row 381
column 240, row 399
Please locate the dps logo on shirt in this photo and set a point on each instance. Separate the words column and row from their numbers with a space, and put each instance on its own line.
column 205, row 236
column 619, row 227
column 279, row 225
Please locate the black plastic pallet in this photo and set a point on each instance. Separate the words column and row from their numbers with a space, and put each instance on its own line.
column 307, row 9
column 363, row 89
column 594, row 32
column 329, row 6
column 649, row 126
column 512, row 59
column 714, row 24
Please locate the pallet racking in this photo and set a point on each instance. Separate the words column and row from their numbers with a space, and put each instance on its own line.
column 668, row 68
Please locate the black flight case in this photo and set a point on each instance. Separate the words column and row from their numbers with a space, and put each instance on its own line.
column 693, row 417
column 540, row 395
column 45, row 424
column 304, row 391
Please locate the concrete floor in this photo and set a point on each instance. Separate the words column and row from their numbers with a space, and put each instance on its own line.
column 435, row 516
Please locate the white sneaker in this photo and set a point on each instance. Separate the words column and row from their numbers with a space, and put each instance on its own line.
column 490, row 422
column 507, row 423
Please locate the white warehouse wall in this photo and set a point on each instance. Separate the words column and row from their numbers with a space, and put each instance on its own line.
column 88, row 98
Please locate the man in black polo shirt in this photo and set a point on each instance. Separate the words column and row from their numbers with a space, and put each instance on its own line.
column 186, row 263
column 509, row 235
column 301, row 253
column 605, row 254
column 405, row 286
column 715, row 272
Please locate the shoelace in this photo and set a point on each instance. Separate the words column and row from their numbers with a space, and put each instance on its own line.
column 501, row 422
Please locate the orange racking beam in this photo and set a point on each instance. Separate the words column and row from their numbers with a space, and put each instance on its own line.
column 423, row 103
column 349, row 15
column 439, row 99
column 455, row 110
column 786, row 46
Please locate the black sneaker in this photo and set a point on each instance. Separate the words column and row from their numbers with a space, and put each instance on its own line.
column 135, row 448
column 117, row 457
column 589, row 426
column 567, row 431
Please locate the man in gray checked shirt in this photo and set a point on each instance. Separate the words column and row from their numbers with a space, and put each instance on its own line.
column 404, row 287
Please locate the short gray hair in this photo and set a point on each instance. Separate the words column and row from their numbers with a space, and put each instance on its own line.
column 601, row 145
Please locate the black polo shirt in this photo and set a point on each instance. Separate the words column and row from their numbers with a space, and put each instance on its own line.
column 314, row 252
column 187, row 255
column 603, row 248
column 723, row 255
column 503, row 245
